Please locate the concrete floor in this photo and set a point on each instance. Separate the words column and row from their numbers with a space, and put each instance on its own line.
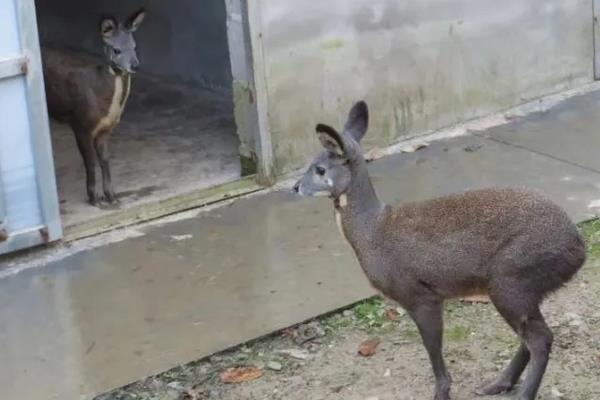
column 108, row 316
column 173, row 139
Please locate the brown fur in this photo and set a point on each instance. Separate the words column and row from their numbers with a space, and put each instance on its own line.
column 471, row 243
column 79, row 92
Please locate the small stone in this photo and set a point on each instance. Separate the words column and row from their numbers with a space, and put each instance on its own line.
column 372, row 398
column 274, row 366
column 258, row 364
column 175, row 385
column 203, row 369
column 473, row 148
column 156, row 385
column 557, row 394
column 574, row 319
column 348, row 313
column 308, row 332
column 294, row 353
column 387, row 373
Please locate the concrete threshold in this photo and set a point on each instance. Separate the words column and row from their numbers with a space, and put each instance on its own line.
column 120, row 218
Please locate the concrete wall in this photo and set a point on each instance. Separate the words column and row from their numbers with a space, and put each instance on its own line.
column 421, row 64
column 184, row 40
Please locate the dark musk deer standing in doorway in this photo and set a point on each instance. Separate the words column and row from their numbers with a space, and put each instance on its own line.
column 513, row 245
column 91, row 98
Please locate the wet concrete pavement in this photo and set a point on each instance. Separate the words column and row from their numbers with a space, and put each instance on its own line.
column 105, row 317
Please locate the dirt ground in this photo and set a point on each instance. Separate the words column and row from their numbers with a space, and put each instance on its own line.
column 320, row 360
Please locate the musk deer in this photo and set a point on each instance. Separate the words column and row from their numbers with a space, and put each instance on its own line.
column 91, row 98
column 513, row 245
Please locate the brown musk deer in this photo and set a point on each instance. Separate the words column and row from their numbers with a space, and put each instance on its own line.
column 513, row 245
column 91, row 97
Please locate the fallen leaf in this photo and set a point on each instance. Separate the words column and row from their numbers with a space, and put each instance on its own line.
column 241, row 374
column 411, row 148
column 369, row 347
column 392, row 314
column 476, row 299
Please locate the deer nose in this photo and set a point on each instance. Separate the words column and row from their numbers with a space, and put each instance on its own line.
column 135, row 66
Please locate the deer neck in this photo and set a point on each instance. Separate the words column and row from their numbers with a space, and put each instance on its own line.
column 356, row 209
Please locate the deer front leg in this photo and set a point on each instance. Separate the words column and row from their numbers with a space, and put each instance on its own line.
column 86, row 148
column 101, row 145
column 428, row 317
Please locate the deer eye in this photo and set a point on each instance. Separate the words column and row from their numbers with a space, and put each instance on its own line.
column 117, row 51
column 320, row 170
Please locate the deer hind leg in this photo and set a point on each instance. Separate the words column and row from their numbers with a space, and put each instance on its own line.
column 520, row 308
column 85, row 144
column 101, row 145
column 508, row 377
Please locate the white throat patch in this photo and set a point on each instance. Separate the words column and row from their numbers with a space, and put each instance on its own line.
column 122, row 86
column 343, row 202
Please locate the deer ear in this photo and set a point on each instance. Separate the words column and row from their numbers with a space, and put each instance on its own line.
column 108, row 27
column 330, row 139
column 135, row 20
column 358, row 121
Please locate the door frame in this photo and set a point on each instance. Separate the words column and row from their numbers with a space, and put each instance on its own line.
column 244, row 32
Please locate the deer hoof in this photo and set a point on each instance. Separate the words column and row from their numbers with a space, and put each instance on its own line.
column 111, row 198
column 442, row 394
column 94, row 201
column 494, row 388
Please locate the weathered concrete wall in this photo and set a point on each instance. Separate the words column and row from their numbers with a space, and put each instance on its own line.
column 184, row 40
column 421, row 64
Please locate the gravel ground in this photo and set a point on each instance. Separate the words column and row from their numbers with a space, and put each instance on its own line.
column 320, row 359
